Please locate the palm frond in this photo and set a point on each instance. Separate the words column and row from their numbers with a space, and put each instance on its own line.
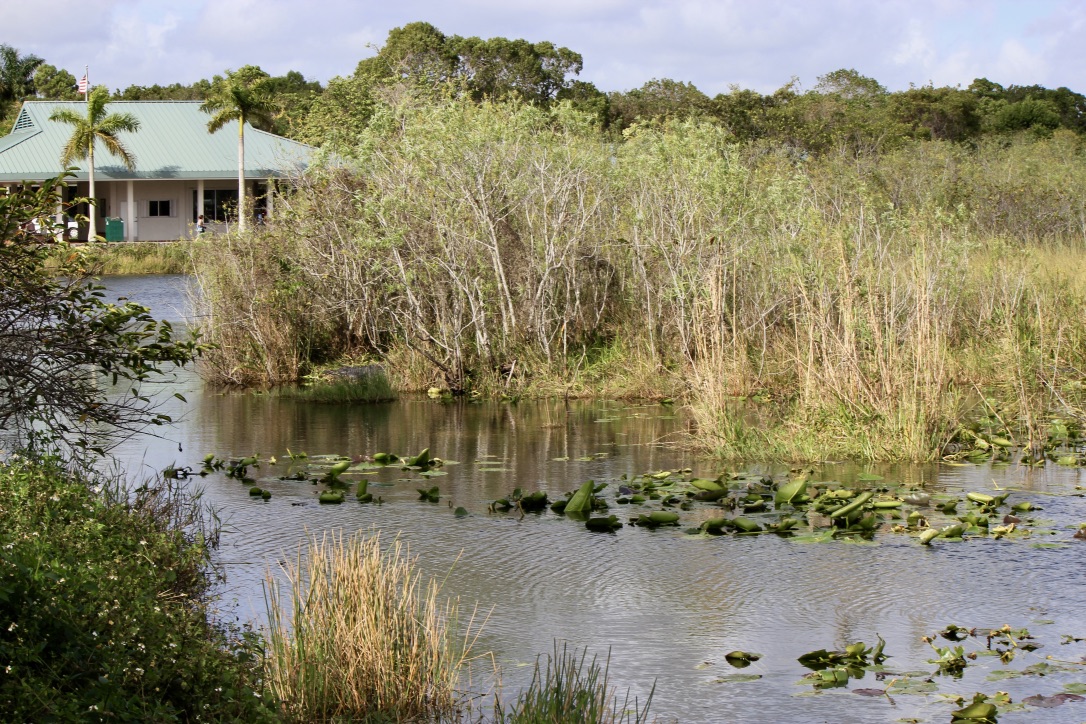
column 115, row 147
column 66, row 115
column 118, row 122
column 220, row 119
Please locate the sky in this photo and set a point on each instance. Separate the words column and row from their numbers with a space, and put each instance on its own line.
column 714, row 44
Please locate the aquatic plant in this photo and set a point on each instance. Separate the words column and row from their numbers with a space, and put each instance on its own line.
column 568, row 689
column 354, row 633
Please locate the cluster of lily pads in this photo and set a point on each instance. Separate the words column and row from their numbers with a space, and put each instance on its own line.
column 835, row 669
column 798, row 506
column 326, row 469
column 987, row 439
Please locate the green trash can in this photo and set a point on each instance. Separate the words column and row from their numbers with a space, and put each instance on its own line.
column 114, row 229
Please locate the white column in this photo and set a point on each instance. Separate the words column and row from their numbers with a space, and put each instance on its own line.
column 200, row 202
column 269, row 198
column 130, row 213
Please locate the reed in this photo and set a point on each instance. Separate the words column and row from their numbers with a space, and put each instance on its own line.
column 571, row 689
column 372, row 388
column 354, row 634
column 141, row 257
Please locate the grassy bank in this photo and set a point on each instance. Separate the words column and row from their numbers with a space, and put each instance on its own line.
column 104, row 609
column 140, row 257
column 868, row 301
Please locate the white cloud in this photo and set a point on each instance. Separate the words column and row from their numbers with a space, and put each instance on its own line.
column 712, row 43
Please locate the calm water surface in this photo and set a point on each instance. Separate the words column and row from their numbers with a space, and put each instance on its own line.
column 667, row 605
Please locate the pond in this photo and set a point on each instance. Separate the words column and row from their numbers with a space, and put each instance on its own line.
column 668, row 603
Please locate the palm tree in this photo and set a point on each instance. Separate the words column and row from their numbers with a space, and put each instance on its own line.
column 96, row 126
column 243, row 97
column 16, row 76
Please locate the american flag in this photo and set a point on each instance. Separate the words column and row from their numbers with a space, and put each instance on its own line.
column 83, row 84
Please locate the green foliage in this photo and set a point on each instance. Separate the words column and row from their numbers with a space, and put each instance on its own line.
column 173, row 92
column 16, row 74
column 339, row 117
column 1027, row 115
column 103, row 608
column 242, row 95
column 53, row 84
column 420, row 55
column 659, row 99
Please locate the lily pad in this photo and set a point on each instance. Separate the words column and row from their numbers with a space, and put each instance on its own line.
column 912, row 686
column 1048, row 702
column 741, row 659
column 736, row 678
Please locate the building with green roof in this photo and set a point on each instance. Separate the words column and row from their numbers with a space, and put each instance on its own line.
column 181, row 172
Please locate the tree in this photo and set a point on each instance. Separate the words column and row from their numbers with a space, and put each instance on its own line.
column 500, row 68
column 16, row 74
column 55, row 85
column 340, row 115
column 657, row 99
column 420, row 55
column 743, row 112
column 58, row 335
column 16, row 77
column 241, row 96
column 417, row 52
column 947, row 114
column 172, row 92
column 96, row 126
column 294, row 96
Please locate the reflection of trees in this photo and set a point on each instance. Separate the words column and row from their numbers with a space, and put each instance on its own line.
column 525, row 438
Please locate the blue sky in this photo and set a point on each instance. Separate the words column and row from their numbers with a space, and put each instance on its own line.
column 712, row 43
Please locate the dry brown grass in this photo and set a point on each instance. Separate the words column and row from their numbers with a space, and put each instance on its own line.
column 354, row 633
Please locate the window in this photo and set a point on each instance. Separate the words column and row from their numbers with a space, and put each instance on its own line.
column 220, row 205
column 159, row 208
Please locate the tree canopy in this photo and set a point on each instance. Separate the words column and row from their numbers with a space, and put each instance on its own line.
column 496, row 68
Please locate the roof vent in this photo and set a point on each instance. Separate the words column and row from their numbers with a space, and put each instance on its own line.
column 23, row 122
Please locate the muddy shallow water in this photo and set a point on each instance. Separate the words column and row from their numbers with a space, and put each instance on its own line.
column 668, row 605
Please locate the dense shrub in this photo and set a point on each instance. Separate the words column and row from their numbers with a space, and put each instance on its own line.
column 103, row 609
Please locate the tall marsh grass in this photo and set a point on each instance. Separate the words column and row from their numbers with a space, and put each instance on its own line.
column 141, row 257
column 570, row 689
column 865, row 297
column 355, row 634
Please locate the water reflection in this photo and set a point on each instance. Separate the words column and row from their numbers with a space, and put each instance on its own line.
column 668, row 606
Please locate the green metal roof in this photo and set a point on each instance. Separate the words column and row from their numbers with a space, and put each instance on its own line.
column 172, row 143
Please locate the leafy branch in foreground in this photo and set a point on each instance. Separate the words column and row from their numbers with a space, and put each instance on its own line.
column 59, row 337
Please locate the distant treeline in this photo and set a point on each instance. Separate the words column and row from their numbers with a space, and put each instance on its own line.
column 844, row 110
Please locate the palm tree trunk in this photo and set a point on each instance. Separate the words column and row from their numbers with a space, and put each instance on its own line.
column 92, row 207
column 241, row 174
